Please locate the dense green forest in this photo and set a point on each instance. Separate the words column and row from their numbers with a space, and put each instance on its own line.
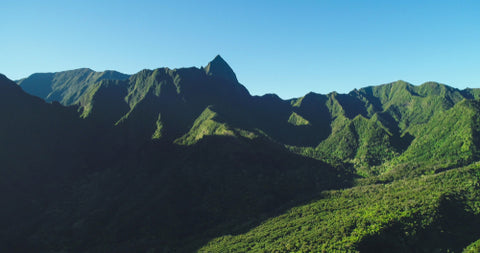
column 187, row 160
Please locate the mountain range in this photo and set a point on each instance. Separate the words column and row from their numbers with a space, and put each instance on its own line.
column 184, row 160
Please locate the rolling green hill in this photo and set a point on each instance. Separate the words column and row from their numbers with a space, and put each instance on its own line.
column 184, row 160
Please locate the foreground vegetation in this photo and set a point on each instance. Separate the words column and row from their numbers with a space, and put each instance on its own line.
column 434, row 213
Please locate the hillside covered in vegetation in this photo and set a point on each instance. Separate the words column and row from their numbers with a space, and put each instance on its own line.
column 186, row 160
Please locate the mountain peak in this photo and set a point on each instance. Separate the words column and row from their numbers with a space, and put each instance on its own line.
column 3, row 77
column 220, row 68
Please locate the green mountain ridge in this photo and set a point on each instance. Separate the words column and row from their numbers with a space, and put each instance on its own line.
column 65, row 87
column 182, row 160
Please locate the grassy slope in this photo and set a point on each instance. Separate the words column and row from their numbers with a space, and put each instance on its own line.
column 386, row 217
column 208, row 124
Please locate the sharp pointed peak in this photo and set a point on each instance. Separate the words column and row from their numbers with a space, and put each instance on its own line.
column 219, row 67
column 218, row 59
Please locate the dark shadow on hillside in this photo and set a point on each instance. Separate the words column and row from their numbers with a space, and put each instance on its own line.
column 314, row 109
column 455, row 228
column 38, row 84
column 467, row 93
column 231, row 185
column 400, row 142
column 270, row 114
column 352, row 106
column 371, row 98
column 170, row 198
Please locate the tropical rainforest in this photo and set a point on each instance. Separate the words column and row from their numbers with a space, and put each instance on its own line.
column 187, row 160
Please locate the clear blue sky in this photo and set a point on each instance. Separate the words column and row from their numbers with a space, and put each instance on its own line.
column 283, row 47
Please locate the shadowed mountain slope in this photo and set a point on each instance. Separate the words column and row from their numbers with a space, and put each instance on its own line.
column 69, row 185
column 43, row 148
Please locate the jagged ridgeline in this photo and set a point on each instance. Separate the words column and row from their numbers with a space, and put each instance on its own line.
column 365, row 128
column 181, row 160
